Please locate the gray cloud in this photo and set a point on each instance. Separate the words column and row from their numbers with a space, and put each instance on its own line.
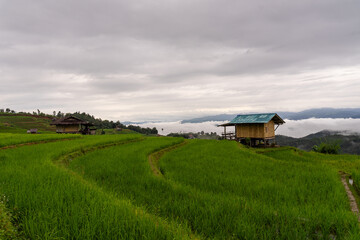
column 170, row 59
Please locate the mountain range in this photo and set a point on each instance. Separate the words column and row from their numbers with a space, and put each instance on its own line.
column 310, row 113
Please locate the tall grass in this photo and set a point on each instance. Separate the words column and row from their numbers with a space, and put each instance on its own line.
column 345, row 162
column 312, row 192
column 7, row 139
column 221, row 191
column 214, row 189
column 52, row 203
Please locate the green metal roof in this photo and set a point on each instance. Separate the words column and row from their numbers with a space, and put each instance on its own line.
column 253, row 118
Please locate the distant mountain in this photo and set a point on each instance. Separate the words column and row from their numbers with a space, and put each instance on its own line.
column 322, row 113
column 137, row 123
column 349, row 142
column 310, row 113
column 220, row 117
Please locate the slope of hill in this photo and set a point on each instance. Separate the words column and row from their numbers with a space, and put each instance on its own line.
column 10, row 123
column 20, row 123
column 349, row 143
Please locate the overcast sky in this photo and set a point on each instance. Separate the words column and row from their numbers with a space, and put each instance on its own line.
column 175, row 59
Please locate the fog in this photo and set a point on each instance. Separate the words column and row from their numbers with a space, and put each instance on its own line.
column 292, row 128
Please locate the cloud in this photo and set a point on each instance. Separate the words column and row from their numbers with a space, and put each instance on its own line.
column 292, row 128
column 171, row 59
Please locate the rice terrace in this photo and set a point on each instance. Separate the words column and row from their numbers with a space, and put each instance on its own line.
column 137, row 186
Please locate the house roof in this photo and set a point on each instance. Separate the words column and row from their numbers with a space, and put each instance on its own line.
column 70, row 120
column 255, row 118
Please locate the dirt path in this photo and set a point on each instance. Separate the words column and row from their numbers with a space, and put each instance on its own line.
column 352, row 200
column 155, row 157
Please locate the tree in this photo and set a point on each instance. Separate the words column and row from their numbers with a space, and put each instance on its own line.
column 154, row 131
column 327, row 147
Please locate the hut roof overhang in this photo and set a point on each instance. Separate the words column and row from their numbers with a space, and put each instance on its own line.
column 70, row 120
column 254, row 118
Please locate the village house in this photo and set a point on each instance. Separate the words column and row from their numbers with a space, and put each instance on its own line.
column 255, row 128
column 32, row 131
column 71, row 124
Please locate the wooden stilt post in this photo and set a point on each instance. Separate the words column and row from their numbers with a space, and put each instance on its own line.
column 235, row 134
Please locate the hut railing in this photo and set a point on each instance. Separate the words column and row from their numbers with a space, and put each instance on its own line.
column 228, row 135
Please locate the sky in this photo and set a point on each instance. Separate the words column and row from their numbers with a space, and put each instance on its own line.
column 175, row 59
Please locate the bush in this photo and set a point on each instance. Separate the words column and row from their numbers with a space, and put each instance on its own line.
column 328, row 148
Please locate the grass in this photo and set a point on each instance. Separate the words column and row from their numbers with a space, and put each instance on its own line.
column 7, row 228
column 8, row 139
column 345, row 162
column 297, row 198
column 221, row 191
column 207, row 190
column 55, row 204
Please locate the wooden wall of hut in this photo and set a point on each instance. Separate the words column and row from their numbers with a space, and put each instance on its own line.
column 269, row 129
column 258, row 130
column 67, row 128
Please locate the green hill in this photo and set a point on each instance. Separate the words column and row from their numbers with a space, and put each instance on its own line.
column 15, row 123
column 349, row 143
column 20, row 123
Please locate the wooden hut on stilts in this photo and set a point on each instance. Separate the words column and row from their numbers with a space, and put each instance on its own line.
column 253, row 129
column 71, row 124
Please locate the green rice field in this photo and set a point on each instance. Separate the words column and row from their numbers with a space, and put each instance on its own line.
column 121, row 187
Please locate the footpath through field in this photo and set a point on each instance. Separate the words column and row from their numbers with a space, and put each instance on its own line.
column 352, row 199
column 155, row 157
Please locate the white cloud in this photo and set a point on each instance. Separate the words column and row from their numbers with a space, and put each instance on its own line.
column 141, row 60
column 292, row 128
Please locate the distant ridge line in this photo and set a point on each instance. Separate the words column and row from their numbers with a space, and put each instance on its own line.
column 306, row 114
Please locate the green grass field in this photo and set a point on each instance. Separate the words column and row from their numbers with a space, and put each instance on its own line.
column 9, row 139
column 103, row 187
